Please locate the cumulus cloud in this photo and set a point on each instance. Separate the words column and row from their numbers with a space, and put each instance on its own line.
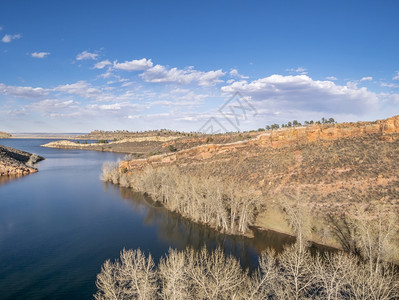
column 161, row 74
column 134, row 65
column 234, row 73
column 23, row 91
column 279, row 93
column 40, row 54
column 85, row 55
column 396, row 76
column 368, row 78
column 102, row 64
column 9, row 37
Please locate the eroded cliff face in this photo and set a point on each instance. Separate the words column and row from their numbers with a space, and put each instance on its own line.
column 275, row 139
column 17, row 162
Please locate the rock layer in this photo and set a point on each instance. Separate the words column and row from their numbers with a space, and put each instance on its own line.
column 276, row 139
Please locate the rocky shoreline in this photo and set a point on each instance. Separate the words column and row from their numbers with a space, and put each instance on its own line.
column 17, row 162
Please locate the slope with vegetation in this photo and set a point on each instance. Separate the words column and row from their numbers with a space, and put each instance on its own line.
column 329, row 168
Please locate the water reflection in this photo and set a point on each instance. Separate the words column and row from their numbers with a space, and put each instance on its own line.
column 180, row 232
column 7, row 178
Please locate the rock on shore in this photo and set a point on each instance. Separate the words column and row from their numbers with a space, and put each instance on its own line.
column 17, row 162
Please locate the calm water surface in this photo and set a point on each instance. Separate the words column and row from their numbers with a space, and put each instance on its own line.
column 59, row 225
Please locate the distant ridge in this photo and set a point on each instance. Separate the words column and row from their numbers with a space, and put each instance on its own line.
column 4, row 135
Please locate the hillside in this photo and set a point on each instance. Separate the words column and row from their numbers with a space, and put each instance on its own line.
column 329, row 168
column 4, row 135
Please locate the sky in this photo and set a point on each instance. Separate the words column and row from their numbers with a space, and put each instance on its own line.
column 211, row 66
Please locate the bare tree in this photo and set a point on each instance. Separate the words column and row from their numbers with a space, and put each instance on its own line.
column 107, row 282
column 261, row 283
column 110, row 172
column 175, row 283
column 133, row 277
column 332, row 273
column 215, row 276
column 382, row 285
column 296, row 277
column 376, row 230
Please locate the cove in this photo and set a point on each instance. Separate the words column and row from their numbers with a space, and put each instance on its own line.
column 59, row 225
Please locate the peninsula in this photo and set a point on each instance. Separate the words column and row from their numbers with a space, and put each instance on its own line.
column 17, row 162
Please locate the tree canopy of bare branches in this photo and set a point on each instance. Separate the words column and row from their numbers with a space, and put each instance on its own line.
column 224, row 205
column 203, row 274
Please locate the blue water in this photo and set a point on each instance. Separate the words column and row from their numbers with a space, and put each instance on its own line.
column 59, row 225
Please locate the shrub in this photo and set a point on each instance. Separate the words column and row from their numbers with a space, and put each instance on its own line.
column 172, row 148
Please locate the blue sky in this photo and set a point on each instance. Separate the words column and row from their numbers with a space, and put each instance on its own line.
column 76, row 66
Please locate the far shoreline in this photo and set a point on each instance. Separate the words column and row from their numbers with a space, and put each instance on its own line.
column 46, row 136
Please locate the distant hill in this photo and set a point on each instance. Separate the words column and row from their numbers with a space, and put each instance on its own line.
column 4, row 135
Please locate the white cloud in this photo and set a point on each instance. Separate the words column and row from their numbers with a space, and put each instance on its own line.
column 23, row 91
column 9, row 37
column 125, row 84
column 234, row 73
column 52, row 105
column 180, row 97
column 114, row 106
column 134, row 65
column 299, row 70
column 102, row 64
column 179, row 91
column 161, row 74
column 368, row 78
column 122, row 107
column 300, row 92
column 390, row 85
column 40, row 54
column 333, row 78
column 107, row 74
column 396, row 76
column 352, row 84
column 81, row 88
column 86, row 55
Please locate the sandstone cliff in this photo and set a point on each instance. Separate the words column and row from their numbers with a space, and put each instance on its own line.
column 385, row 129
column 17, row 162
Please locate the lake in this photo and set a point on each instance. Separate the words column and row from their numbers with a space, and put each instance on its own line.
column 59, row 225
